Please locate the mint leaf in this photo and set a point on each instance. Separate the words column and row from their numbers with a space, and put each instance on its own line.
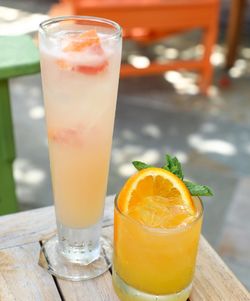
column 198, row 190
column 140, row 165
column 166, row 167
column 173, row 165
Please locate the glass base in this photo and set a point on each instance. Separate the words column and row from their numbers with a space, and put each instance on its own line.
column 60, row 265
column 129, row 293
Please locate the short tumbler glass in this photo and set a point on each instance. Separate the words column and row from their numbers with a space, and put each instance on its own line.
column 153, row 263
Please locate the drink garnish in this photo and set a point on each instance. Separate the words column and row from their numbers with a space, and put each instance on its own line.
column 158, row 196
column 83, row 40
column 88, row 40
column 173, row 165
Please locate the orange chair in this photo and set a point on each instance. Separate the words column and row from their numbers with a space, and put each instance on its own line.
column 149, row 20
column 237, row 10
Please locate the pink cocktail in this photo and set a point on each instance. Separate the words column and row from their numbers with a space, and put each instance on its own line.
column 80, row 64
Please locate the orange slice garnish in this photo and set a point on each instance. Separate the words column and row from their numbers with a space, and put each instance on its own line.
column 156, row 198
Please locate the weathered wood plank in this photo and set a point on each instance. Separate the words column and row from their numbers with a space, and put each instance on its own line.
column 34, row 225
column 22, row 279
column 98, row 289
column 26, row 227
column 213, row 279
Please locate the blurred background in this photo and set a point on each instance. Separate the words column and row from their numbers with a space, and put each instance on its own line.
column 202, row 118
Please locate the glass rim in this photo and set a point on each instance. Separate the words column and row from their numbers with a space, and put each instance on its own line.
column 176, row 229
column 117, row 32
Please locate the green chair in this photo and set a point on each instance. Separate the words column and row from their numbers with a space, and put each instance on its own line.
column 18, row 56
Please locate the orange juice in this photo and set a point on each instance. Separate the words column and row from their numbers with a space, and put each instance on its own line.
column 157, row 262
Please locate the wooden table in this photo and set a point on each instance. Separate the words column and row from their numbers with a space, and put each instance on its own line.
column 21, row 278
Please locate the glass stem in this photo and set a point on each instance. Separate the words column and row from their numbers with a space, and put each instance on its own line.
column 80, row 245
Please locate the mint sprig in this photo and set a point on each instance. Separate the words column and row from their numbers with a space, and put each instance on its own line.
column 173, row 165
column 198, row 190
column 140, row 165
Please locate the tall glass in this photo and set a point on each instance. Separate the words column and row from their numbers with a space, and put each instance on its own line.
column 80, row 64
column 154, row 263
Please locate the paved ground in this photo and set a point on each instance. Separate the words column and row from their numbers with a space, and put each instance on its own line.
column 155, row 115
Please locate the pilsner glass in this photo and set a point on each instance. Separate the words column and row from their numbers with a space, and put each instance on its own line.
column 155, row 263
column 80, row 64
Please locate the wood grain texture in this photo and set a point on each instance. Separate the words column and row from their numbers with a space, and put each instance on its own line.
column 26, row 227
column 22, row 279
column 98, row 289
column 213, row 279
column 20, row 274
column 36, row 225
